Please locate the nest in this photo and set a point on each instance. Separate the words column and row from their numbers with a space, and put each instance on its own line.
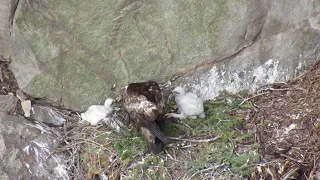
column 287, row 126
column 90, row 149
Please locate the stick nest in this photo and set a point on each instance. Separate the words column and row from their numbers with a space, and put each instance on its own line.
column 287, row 126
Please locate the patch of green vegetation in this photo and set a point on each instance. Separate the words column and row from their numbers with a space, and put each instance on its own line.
column 175, row 129
column 223, row 118
column 102, row 145
column 243, row 163
column 130, row 144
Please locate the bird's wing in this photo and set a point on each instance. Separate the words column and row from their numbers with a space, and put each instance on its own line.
column 145, row 113
column 139, row 106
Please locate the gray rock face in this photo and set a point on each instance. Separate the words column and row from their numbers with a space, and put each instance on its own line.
column 8, row 103
column 6, row 18
column 25, row 151
column 76, row 51
column 47, row 115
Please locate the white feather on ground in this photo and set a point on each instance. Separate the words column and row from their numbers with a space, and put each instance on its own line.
column 189, row 105
column 96, row 113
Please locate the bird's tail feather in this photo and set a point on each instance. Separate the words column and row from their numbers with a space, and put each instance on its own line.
column 154, row 128
column 156, row 147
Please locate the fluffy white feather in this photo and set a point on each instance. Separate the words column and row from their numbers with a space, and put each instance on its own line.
column 96, row 113
column 189, row 105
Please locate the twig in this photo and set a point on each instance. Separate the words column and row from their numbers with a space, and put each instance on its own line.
column 204, row 170
column 247, row 99
column 195, row 140
column 293, row 159
column 189, row 146
column 141, row 172
column 169, row 155
column 186, row 125
column 174, row 154
column 283, row 89
column 168, row 172
column 287, row 176
column 233, row 146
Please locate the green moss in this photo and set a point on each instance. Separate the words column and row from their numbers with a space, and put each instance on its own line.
column 174, row 129
column 129, row 145
column 243, row 163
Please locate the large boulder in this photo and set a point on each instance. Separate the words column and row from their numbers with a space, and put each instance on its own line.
column 8, row 103
column 73, row 52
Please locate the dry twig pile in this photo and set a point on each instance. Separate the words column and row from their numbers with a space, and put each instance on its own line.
column 286, row 120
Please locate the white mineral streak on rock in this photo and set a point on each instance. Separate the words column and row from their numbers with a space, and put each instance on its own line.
column 267, row 72
column 61, row 169
column 219, row 79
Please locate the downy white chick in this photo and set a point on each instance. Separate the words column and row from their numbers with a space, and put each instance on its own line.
column 96, row 113
column 189, row 105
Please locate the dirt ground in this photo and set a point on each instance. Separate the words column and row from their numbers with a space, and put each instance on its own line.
column 286, row 121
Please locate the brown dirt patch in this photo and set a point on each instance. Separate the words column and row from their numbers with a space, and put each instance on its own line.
column 286, row 119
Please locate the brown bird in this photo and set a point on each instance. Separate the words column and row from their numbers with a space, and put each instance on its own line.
column 144, row 104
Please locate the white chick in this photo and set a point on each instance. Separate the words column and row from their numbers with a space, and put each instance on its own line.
column 189, row 105
column 96, row 113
